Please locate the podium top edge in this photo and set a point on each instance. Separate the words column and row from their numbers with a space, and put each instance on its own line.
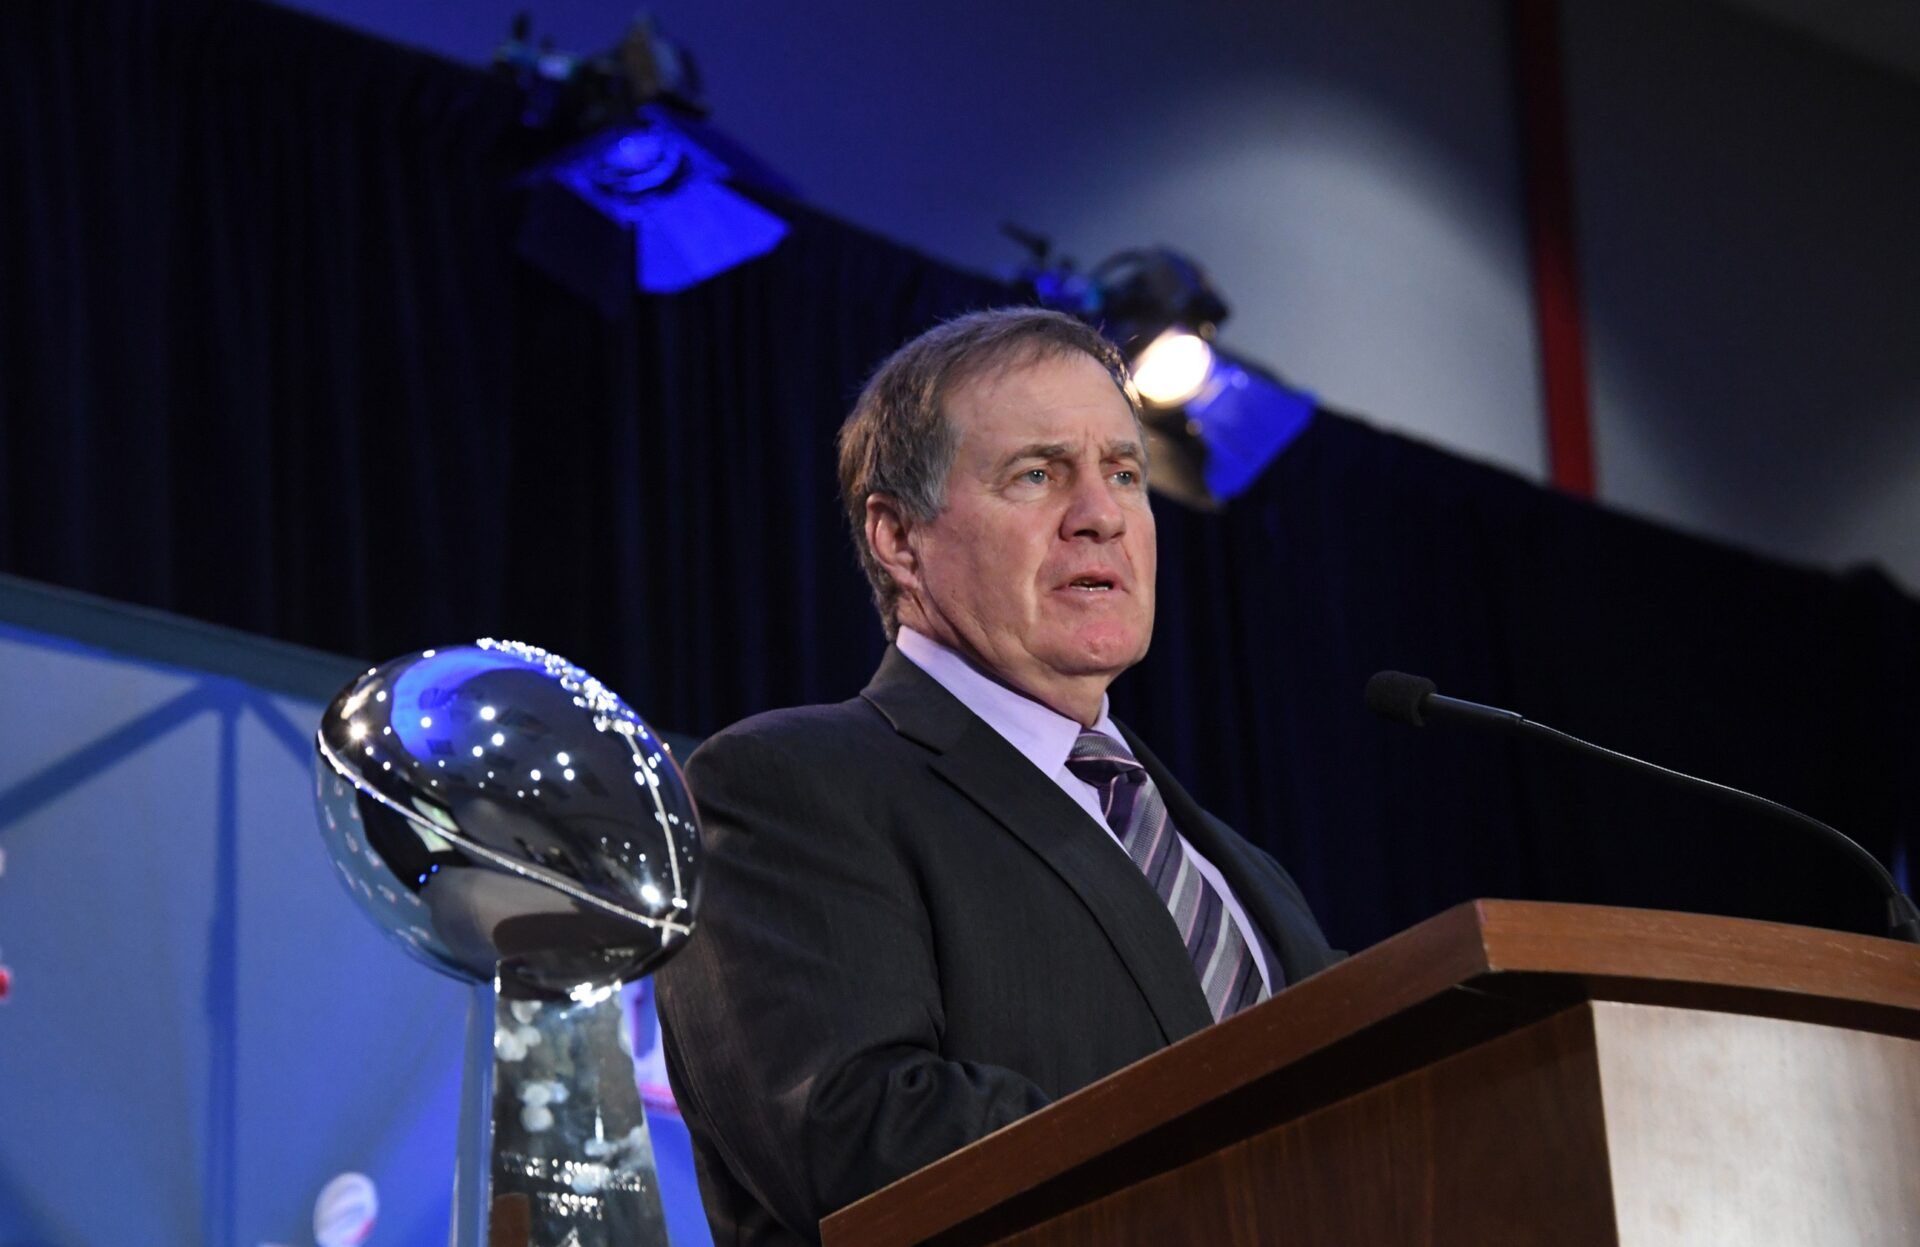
column 1610, row 948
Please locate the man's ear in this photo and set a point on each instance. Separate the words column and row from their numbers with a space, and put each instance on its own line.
column 890, row 537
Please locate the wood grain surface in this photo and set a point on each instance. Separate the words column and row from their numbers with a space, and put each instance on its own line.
column 1502, row 1144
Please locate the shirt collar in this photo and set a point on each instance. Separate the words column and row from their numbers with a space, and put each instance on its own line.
column 1042, row 735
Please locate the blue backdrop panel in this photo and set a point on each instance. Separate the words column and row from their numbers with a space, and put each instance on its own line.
column 202, row 1031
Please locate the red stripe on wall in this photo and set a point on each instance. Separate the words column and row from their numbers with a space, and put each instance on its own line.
column 1547, row 171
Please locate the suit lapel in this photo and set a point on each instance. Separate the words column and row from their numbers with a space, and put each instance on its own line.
column 979, row 762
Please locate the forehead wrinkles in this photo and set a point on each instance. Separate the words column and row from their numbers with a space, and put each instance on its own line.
column 1000, row 429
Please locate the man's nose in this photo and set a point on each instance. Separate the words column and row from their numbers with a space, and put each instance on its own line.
column 1093, row 511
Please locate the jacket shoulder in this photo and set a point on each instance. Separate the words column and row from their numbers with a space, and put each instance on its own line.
column 846, row 731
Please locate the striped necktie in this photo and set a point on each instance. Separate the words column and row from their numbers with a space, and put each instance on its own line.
column 1138, row 816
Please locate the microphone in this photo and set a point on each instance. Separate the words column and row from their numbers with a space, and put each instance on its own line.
column 1414, row 701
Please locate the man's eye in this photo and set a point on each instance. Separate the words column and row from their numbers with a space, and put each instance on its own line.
column 1034, row 476
column 1127, row 476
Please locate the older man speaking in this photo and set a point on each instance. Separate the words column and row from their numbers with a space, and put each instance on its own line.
column 935, row 908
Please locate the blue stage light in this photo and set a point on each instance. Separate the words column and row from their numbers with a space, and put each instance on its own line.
column 1243, row 417
column 657, row 179
column 637, row 191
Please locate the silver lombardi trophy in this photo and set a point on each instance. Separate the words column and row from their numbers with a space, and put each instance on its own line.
column 509, row 821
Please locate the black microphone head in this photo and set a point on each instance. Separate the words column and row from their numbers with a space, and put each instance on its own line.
column 1396, row 695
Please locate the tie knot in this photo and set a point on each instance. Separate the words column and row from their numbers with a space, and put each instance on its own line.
column 1098, row 758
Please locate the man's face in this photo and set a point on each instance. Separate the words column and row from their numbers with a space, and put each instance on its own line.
column 1041, row 566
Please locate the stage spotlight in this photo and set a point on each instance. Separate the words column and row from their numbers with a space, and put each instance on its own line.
column 1219, row 441
column 656, row 178
column 641, row 192
column 1172, row 369
column 1141, row 294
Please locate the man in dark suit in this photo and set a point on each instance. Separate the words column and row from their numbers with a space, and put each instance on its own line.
column 937, row 907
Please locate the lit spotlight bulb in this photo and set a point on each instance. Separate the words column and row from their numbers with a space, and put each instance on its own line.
column 1172, row 368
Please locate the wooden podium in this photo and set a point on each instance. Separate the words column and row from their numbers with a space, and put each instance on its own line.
column 1503, row 1073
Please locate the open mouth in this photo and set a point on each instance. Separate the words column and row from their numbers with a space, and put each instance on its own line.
column 1091, row 584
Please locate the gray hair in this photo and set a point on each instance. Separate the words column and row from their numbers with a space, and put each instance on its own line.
column 898, row 441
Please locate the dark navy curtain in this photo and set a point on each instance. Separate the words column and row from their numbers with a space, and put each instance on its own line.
column 267, row 358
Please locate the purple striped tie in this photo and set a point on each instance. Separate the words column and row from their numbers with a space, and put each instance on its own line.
column 1139, row 818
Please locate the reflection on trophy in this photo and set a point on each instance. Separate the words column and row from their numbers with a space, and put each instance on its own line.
column 512, row 823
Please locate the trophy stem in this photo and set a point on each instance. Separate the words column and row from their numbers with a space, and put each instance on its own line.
column 570, row 1160
column 472, row 1159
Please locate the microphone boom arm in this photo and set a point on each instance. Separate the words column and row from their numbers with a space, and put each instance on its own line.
column 1411, row 700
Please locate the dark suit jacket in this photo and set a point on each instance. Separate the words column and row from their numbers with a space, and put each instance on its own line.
column 907, row 938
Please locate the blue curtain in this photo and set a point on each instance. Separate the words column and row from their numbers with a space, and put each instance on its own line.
column 268, row 359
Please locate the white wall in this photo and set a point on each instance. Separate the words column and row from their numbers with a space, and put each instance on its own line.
column 1348, row 171
column 1749, row 205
